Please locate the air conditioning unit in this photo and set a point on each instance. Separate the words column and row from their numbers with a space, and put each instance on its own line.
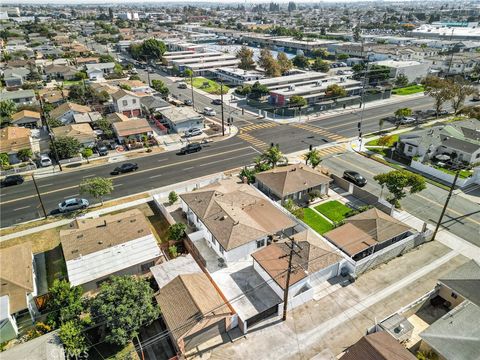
column 343, row 79
column 319, row 83
column 291, row 87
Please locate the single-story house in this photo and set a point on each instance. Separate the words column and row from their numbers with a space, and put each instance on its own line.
column 193, row 310
column 377, row 346
column 235, row 219
column 151, row 104
column 15, row 77
column 17, row 288
column 54, row 97
column 98, row 71
column 45, row 347
column 19, row 97
column 87, row 117
column 27, row 118
column 66, row 111
column 133, row 128
column 180, row 119
column 315, row 261
column 461, row 138
column 372, row 237
column 294, row 182
column 456, row 335
column 82, row 132
column 169, row 270
column 120, row 244
column 127, row 103
column 13, row 139
column 116, row 117
column 61, row 72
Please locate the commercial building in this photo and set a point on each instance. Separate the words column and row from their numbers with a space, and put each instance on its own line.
column 180, row 119
column 235, row 76
column 448, row 31
column 415, row 71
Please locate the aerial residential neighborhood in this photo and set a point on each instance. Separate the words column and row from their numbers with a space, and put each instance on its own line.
column 240, row 180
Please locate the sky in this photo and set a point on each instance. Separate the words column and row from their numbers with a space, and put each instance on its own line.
column 216, row 2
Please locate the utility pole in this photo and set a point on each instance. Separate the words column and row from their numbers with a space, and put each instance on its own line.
column 39, row 197
column 221, row 97
column 50, row 135
column 148, row 70
column 291, row 246
column 191, row 84
column 446, row 204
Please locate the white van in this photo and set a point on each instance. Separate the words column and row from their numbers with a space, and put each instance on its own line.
column 182, row 85
column 209, row 111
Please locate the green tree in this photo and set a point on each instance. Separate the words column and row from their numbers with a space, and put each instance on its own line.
column 106, row 58
column 173, row 251
column 4, row 161
column 439, row 90
column 151, row 49
column 73, row 339
column 87, row 153
column 172, row 197
column 67, row 147
column 403, row 112
column 245, row 55
column 335, row 91
column 471, row 111
column 248, row 174
column 401, row 80
column 104, row 125
column 96, row 187
column 134, row 77
column 269, row 64
column 160, row 86
column 300, row 61
column 122, row 306
column 258, row 90
column 176, row 231
column 320, row 65
column 320, row 53
column 7, row 109
column 25, row 154
column 357, row 36
column 313, row 158
column 298, row 102
column 273, row 155
column 53, row 123
column 460, row 90
column 398, row 182
column 64, row 304
column 284, row 62
column 125, row 87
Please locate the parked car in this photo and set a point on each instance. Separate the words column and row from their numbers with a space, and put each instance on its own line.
column 73, row 204
column 209, row 111
column 407, row 120
column 190, row 148
column 354, row 177
column 102, row 150
column 12, row 180
column 45, row 161
column 188, row 102
column 125, row 168
column 193, row 132
column 217, row 102
column 182, row 85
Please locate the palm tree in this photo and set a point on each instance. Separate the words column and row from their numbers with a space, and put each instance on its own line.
column 273, row 155
column 313, row 158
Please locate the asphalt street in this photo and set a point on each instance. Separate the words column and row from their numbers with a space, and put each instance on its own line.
column 462, row 217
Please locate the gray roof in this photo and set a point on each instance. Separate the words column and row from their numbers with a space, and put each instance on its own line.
column 465, row 280
column 169, row 270
column 100, row 66
column 19, row 94
column 456, row 335
column 15, row 72
column 153, row 102
column 46, row 347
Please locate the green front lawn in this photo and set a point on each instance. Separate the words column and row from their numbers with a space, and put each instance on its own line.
column 464, row 174
column 392, row 140
column 409, row 90
column 209, row 86
column 334, row 210
column 316, row 222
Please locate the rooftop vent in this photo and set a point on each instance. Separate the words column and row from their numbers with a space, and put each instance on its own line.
column 100, row 242
column 75, row 251
column 291, row 87
column 224, row 217
column 80, row 236
column 140, row 231
column 133, row 220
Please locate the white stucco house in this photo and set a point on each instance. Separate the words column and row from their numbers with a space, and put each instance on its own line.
column 98, row 71
column 127, row 103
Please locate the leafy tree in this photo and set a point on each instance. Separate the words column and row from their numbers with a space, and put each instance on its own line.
column 320, row 53
column 7, row 109
column 298, row 101
column 118, row 69
column 426, row 355
column 106, row 58
column 460, row 89
column 160, row 86
column 244, row 89
column 398, row 182
column 357, row 34
column 122, row 306
column 342, row 56
column 300, row 61
column 72, row 336
column 25, row 154
column 173, row 251
column 176, row 231
column 335, row 91
column 471, row 111
column 269, row 64
column 125, row 87
column 245, row 55
column 53, row 123
column 258, row 90
column 65, row 303
column 67, row 147
column 4, row 161
column 134, row 77
column 403, row 112
column 313, row 158
column 273, row 155
column 172, row 197
column 249, row 174
column 320, row 65
column 284, row 62
column 439, row 90
column 96, row 187
column 87, row 153
column 401, row 80
column 151, row 49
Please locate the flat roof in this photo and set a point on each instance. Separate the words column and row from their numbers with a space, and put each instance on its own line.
column 213, row 64
column 397, row 64
column 290, row 79
column 209, row 59
column 313, row 88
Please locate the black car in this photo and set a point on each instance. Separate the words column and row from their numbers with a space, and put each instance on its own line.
column 12, row 180
column 125, row 168
column 354, row 177
column 102, row 150
column 217, row 102
column 190, row 148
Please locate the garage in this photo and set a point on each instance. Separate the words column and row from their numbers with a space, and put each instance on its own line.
column 324, row 274
column 205, row 334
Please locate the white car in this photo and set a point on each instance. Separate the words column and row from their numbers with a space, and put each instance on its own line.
column 73, row 204
column 209, row 111
column 193, row 132
column 45, row 161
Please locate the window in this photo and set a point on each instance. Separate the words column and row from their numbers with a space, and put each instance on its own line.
column 410, row 148
column 260, row 243
column 124, row 102
column 134, row 101
column 222, row 250
column 147, row 266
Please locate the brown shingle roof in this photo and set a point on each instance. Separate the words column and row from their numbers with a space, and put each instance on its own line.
column 25, row 113
column 81, row 132
column 13, row 139
column 132, row 127
column 16, row 275
column 121, row 93
column 377, row 346
column 236, row 213
column 188, row 299
column 290, row 179
column 274, row 258
column 62, row 109
column 92, row 235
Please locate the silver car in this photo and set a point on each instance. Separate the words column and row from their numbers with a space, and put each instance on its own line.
column 193, row 132
column 73, row 204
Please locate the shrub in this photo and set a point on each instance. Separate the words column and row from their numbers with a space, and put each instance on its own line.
column 176, row 231
column 172, row 197
column 314, row 194
column 172, row 250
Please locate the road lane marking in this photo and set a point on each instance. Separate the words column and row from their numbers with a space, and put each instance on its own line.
column 189, row 168
column 71, row 196
column 155, row 176
column 40, row 186
column 87, row 176
column 117, row 185
column 21, row 208
column 230, row 158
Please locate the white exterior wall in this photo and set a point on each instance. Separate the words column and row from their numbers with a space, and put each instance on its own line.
column 427, row 169
column 130, row 105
